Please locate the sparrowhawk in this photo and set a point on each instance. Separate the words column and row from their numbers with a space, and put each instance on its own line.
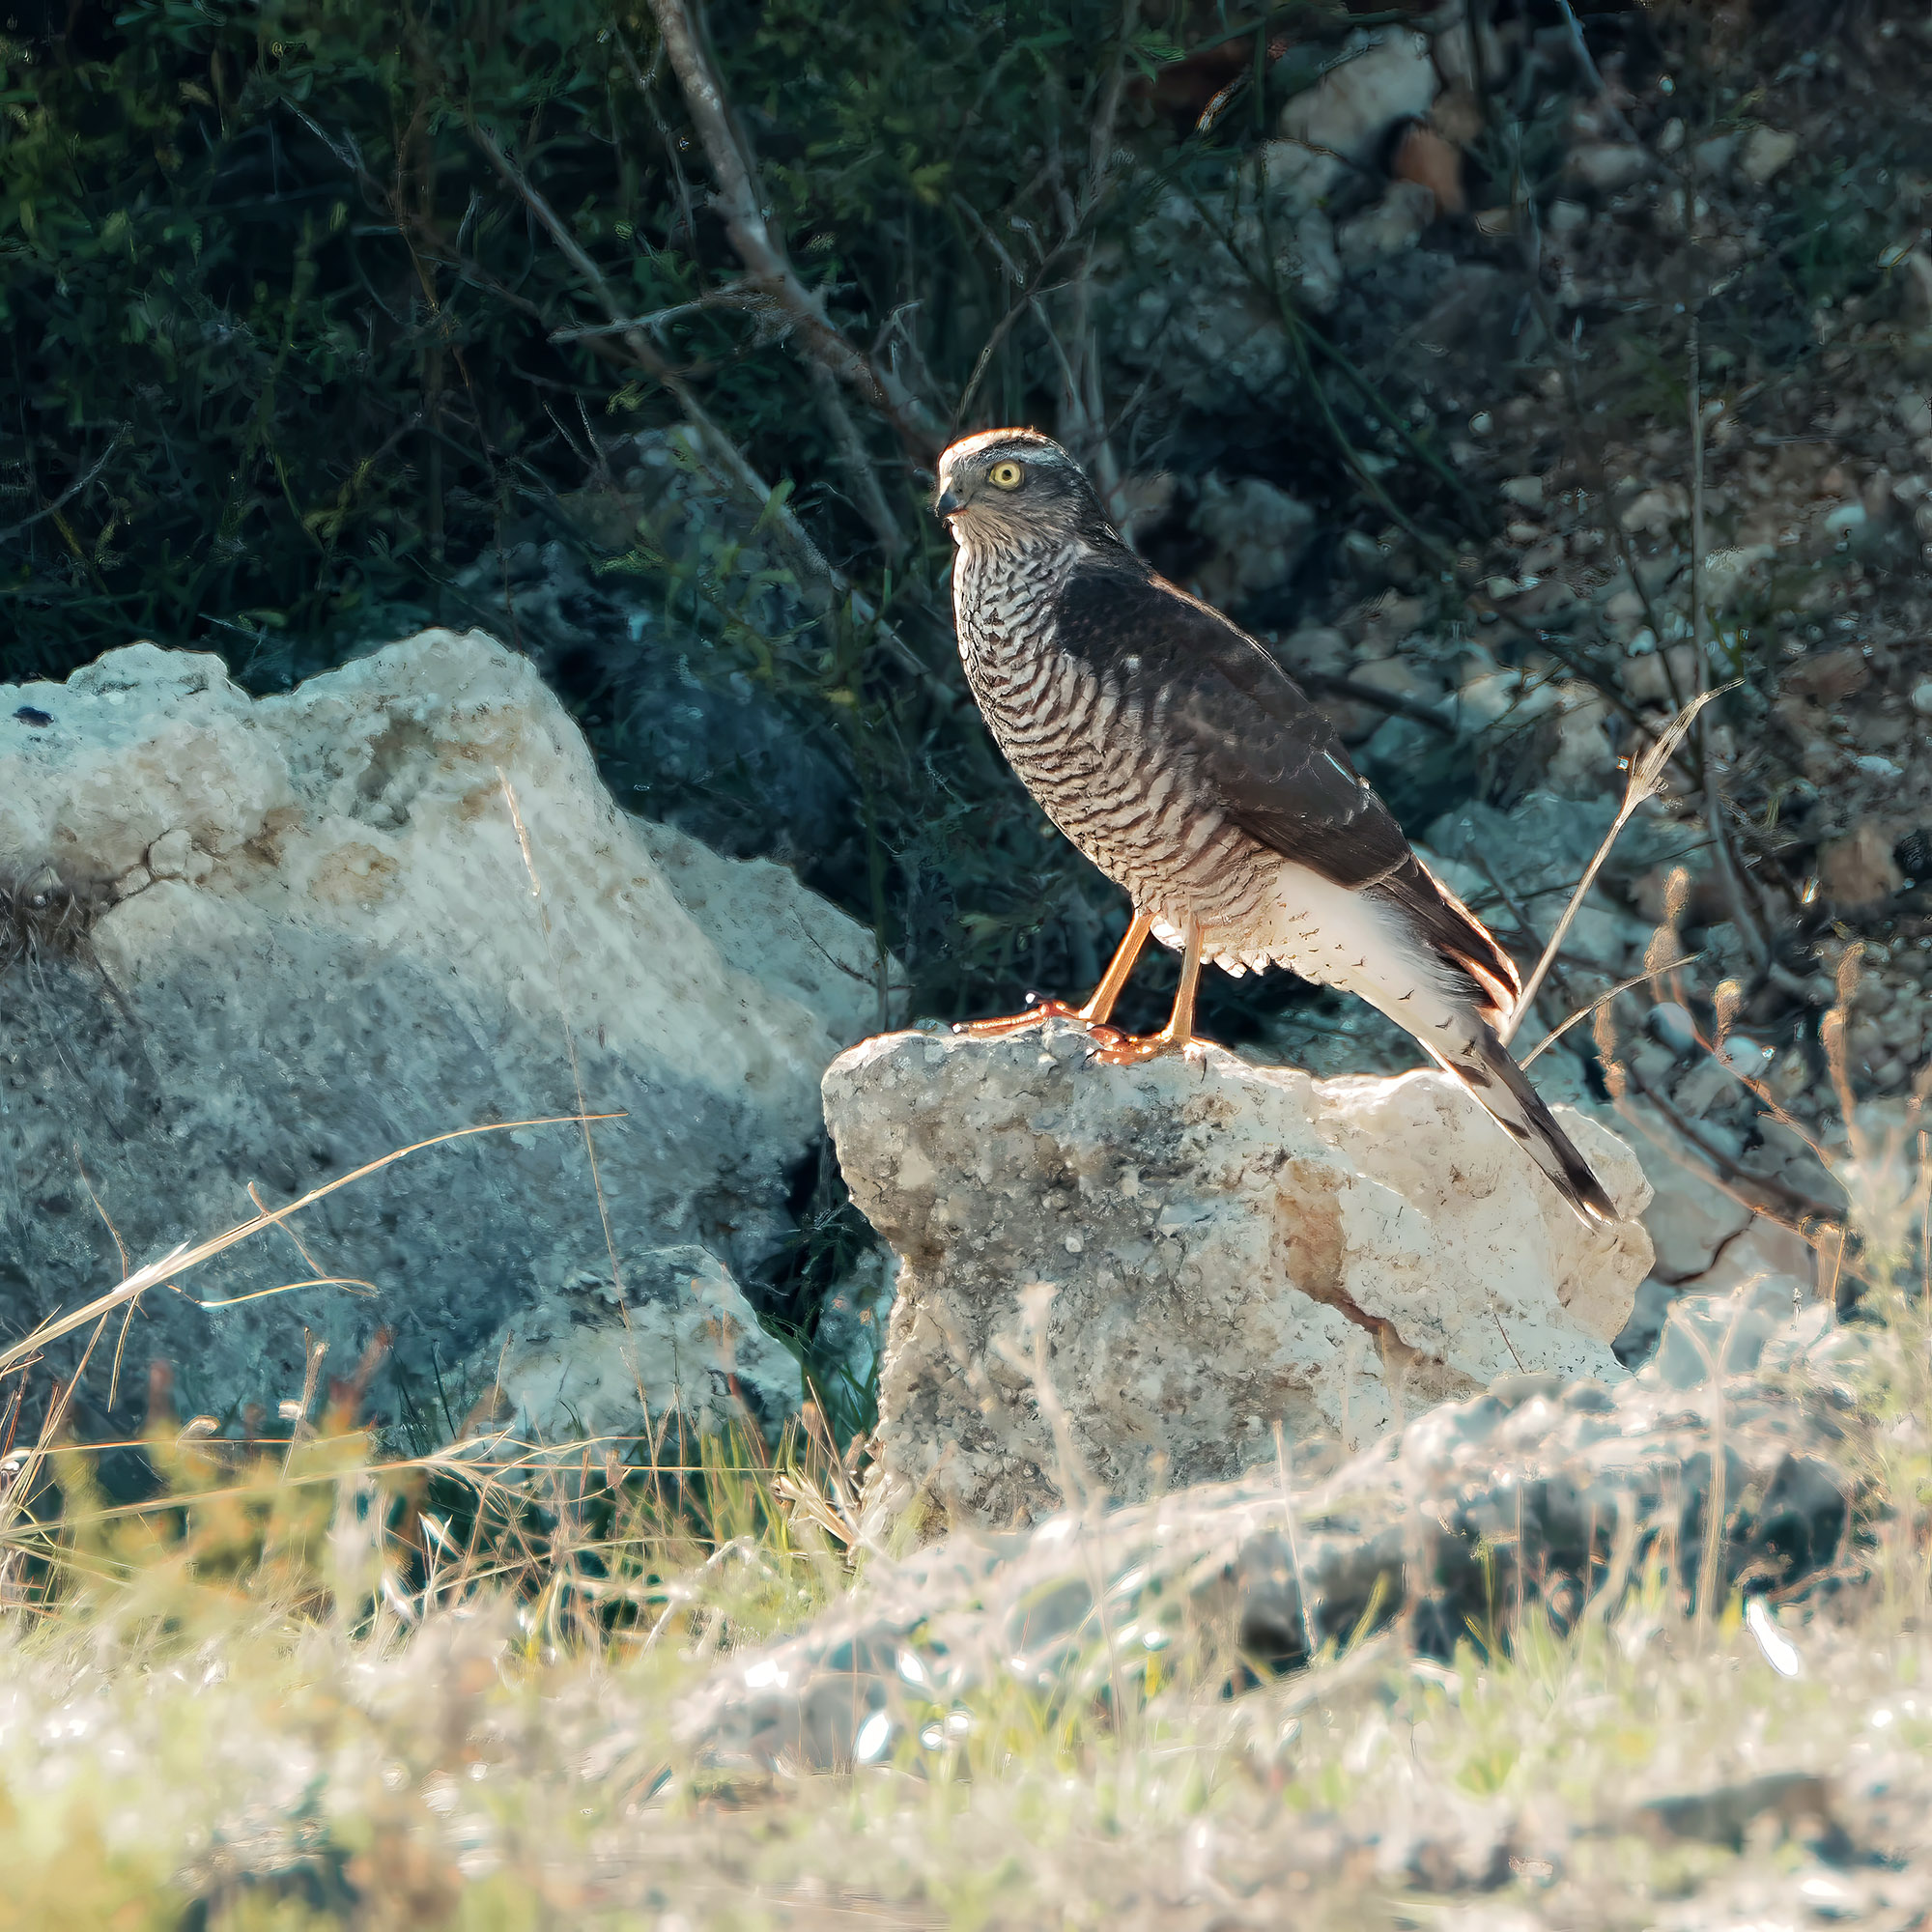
column 1175, row 751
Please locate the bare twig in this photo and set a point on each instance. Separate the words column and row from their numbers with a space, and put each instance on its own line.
column 717, row 449
column 1646, row 779
column 1622, row 986
column 761, row 251
column 1762, row 1193
column 1084, row 413
column 751, row 301
column 71, row 491
column 821, row 584
column 861, row 475
column 1395, row 704
column 646, row 86
column 1743, row 913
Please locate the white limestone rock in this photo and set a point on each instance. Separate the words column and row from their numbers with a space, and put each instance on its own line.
column 1475, row 1514
column 1230, row 1246
column 580, row 1362
column 311, row 937
column 1388, row 78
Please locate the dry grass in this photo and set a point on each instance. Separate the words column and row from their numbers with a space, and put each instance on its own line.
column 304, row 1686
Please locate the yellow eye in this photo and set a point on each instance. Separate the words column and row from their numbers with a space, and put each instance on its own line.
column 1007, row 474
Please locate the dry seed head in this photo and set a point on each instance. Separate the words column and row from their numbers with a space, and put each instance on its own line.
column 1676, row 895
column 1730, row 997
column 1659, row 956
column 1849, row 967
column 1605, row 1028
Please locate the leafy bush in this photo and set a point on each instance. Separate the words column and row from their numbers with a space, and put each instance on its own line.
column 308, row 308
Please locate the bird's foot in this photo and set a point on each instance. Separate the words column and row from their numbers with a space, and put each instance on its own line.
column 1125, row 1049
column 1038, row 1013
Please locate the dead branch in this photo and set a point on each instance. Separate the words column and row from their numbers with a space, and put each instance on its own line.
column 763, row 254
column 1743, row 912
column 861, row 477
column 1762, row 1193
column 817, row 578
column 1396, row 706
column 1085, row 412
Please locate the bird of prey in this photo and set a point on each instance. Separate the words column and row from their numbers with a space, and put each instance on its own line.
column 1175, row 751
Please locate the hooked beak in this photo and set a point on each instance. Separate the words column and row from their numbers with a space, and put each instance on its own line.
column 948, row 503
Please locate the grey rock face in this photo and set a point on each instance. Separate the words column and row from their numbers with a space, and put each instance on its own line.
column 709, row 749
column 1539, row 1493
column 307, row 932
column 1190, row 294
column 1258, row 534
column 1227, row 1246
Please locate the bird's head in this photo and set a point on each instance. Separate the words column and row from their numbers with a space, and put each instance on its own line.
column 1014, row 488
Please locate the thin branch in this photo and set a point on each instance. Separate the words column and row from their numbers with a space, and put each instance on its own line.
column 1741, row 911
column 819, row 582
column 1392, row 702
column 1646, row 779
column 1622, row 986
column 747, row 301
column 1761, row 1193
column 71, row 491
column 861, row 473
column 720, row 453
column 646, row 86
column 762, row 253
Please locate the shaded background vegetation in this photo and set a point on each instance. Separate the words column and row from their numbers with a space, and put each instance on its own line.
column 284, row 357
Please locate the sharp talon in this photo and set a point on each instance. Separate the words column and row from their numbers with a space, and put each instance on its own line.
column 1134, row 1049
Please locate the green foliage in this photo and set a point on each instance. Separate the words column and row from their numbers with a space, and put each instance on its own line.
column 279, row 336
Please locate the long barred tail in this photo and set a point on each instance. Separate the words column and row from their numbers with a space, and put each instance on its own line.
column 1451, row 984
column 1489, row 1069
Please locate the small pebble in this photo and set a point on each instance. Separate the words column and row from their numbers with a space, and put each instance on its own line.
column 1673, row 1026
column 1766, row 151
column 1921, row 699
column 1747, row 1056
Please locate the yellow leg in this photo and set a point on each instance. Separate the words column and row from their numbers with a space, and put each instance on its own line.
column 1175, row 1035
column 1099, row 1009
column 1096, row 1012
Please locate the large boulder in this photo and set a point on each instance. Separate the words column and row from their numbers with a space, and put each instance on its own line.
column 256, row 943
column 1227, row 1247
